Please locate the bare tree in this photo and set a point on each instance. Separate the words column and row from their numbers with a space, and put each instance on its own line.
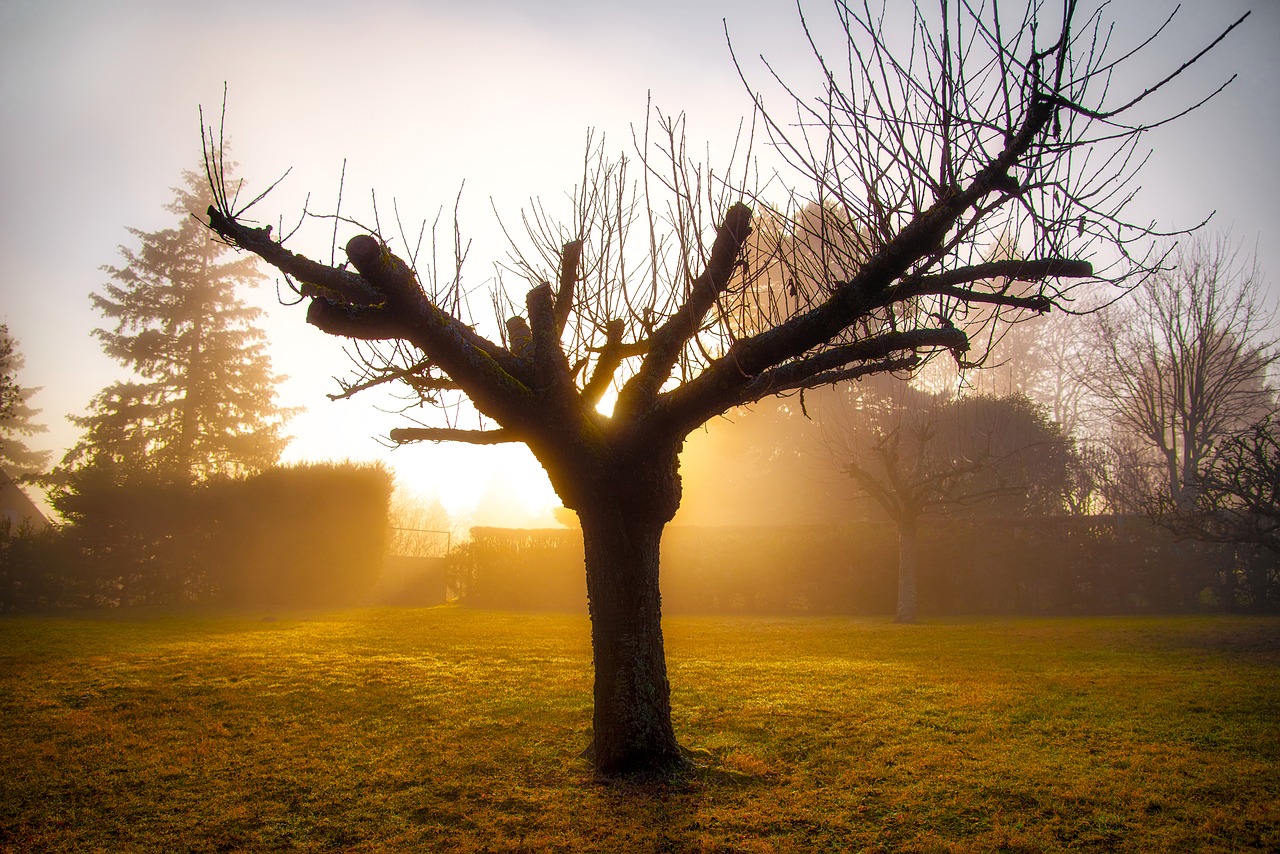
column 1043, row 358
column 1183, row 365
column 980, row 127
column 1238, row 500
column 919, row 454
column 419, row 527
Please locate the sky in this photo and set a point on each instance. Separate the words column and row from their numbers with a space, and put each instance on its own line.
column 99, row 116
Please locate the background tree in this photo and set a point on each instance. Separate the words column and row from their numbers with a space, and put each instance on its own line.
column 1182, row 366
column 1042, row 358
column 419, row 527
column 202, row 401
column 10, row 391
column 17, row 417
column 619, row 351
column 917, row 453
column 1238, row 499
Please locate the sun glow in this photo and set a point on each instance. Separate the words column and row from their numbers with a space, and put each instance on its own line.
column 478, row 486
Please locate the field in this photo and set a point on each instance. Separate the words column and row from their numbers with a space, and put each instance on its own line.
column 449, row 729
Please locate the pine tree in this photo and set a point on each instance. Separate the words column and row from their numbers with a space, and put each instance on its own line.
column 17, row 417
column 202, row 401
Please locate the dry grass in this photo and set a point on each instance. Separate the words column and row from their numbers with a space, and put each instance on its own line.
column 445, row 729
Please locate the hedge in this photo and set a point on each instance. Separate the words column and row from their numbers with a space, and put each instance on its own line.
column 306, row 535
column 1058, row 565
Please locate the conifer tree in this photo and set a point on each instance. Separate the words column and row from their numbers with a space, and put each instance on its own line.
column 202, row 400
column 17, row 417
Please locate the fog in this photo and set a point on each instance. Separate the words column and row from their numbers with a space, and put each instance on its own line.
column 760, row 467
column 98, row 117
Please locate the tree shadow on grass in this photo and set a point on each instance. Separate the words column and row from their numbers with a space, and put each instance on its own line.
column 676, row 812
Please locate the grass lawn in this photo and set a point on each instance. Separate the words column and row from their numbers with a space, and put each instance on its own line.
column 449, row 729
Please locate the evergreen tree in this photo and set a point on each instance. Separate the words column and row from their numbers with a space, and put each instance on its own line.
column 202, row 401
column 16, row 414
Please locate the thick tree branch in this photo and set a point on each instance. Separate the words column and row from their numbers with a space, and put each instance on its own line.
column 680, row 409
column 387, row 274
column 611, row 356
column 404, row 435
column 803, row 373
column 668, row 340
column 440, row 335
column 551, row 366
column 570, row 260
column 314, row 277
column 364, row 323
column 839, row 375
column 1039, row 303
column 386, row 301
column 1013, row 269
column 520, row 337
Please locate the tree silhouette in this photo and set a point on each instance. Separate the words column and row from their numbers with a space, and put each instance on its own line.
column 917, row 453
column 17, row 417
column 1238, row 500
column 1182, row 366
column 202, row 401
column 989, row 126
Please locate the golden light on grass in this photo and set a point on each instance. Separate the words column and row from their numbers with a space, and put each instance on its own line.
column 451, row 729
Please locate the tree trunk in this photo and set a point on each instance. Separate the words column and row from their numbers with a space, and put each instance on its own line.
column 632, row 722
column 906, row 612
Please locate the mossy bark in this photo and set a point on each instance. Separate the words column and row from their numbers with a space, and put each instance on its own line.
column 632, row 719
column 622, row 523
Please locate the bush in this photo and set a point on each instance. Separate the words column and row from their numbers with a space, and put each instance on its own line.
column 519, row 569
column 34, row 568
column 309, row 535
column 133, row 538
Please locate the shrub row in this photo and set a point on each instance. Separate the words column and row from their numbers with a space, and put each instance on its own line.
column 1060, row 565
column 307, row 535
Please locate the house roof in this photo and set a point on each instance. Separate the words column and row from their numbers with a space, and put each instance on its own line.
column 16, row 506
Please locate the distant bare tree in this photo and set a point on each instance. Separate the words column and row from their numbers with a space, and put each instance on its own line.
column 1183, row 365
column 1044, row 358
column 643, row 317
column 419, row 527
column 1063, row 354
column 919, row 454
column 1238, row 500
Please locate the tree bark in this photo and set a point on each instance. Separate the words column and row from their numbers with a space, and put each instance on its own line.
column 907, row 538
column 632, row 720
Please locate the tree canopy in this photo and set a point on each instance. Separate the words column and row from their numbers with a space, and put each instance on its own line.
column 1182, row 366
column 17, row 417
column 201, row 397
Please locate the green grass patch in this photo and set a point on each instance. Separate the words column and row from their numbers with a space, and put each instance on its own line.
column 448, row 729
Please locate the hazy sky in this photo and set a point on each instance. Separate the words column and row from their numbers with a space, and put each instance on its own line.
column 98, row 117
